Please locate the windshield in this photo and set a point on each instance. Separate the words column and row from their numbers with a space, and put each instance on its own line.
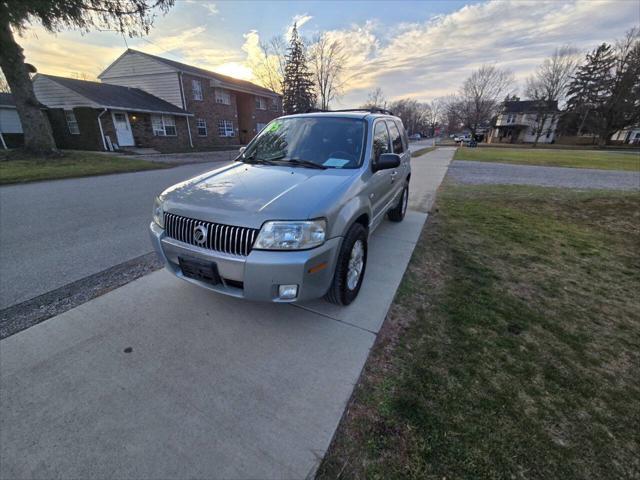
column 323, row 142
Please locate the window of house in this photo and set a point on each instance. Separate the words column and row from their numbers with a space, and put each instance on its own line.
column 201, row 123
column 273, row 105
column 163, row 125
column 396, row 141
column 261, row 103
column 72, row 122
column 222, row 96
column 225, row 128
column 196, row 89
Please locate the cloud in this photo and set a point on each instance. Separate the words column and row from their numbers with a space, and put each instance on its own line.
column 430, row 59
column 212, row 8
column 298, row 21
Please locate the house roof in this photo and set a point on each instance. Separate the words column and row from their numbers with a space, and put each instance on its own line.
column 6, row 100
column 524, row 106
column 225, row 80
column 116, row 96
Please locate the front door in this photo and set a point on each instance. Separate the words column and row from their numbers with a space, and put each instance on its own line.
column 380, row 183
column 123, row 129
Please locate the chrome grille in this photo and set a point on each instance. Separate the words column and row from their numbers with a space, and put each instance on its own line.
column 221, row 238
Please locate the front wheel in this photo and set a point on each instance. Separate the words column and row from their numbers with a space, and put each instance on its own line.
column 396, row 214
column 350, row 268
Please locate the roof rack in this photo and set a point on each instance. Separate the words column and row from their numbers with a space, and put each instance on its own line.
column 370, row 110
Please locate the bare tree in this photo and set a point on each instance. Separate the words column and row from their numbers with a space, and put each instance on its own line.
column 480, row 96
column 435, row 114
column 414, row 115
column 549, row 85
column 269, row 67
column 376, row 98
column 328, row 60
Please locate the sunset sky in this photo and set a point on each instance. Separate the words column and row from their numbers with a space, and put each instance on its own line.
column 421, row 50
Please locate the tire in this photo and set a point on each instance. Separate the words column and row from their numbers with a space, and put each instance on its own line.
column 343, row 290
column 396, row 214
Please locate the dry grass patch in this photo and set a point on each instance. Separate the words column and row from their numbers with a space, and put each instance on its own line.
column 512, row 348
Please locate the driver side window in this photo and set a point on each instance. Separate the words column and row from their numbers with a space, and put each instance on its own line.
column 380, row 141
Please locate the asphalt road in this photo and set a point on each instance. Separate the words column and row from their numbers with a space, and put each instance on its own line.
column 54, row 233
column 502, row 173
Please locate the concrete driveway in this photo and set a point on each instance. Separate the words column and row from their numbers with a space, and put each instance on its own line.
column 162, row 379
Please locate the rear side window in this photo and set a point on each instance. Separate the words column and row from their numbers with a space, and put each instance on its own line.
column 405, row 138
column 396, row 141
column 380, row 140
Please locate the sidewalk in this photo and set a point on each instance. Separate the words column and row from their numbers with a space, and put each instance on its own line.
column 212, row 386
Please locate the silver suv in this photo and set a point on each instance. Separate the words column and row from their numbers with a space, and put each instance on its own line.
column 290, row 219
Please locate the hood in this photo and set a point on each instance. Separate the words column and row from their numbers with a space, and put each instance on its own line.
column 248, row 195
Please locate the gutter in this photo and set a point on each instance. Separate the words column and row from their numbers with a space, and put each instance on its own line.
column 104, row 142
column 184, row 107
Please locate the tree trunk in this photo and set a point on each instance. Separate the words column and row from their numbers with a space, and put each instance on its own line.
column 35, row 124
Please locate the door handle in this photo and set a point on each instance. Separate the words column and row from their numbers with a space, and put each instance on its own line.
column 393, row 176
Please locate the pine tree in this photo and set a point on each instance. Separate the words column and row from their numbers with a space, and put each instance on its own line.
column 299, row 95
column 604, row 96
column 589, row 87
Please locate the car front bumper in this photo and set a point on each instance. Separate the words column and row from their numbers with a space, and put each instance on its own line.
column 258, row 275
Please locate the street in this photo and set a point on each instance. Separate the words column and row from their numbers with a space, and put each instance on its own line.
column 53, row 233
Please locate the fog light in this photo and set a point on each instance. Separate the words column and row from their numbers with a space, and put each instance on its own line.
column 287, row 292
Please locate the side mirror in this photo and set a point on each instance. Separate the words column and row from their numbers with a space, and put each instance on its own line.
column 242, row 149
column 387, row 161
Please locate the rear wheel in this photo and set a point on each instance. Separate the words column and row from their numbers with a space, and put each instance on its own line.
column 350, row 268
column 396, row 214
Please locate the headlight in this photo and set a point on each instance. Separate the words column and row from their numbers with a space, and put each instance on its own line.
column 291, row 235
column 158, row 213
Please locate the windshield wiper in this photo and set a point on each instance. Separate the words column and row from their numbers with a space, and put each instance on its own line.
column 298, row 162
column 253, row 160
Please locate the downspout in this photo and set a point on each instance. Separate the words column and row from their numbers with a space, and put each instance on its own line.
column 104, row 142
column 184, row 106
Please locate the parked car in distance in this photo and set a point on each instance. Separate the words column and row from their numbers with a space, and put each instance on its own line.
column 290, row 220
column 415, row 136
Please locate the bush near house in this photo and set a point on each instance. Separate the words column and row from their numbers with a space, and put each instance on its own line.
column 512, row 347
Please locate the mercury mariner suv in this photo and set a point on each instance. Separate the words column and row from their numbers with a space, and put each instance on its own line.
column 290, row 219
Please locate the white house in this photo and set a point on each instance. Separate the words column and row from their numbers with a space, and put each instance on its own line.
column 10, row 126
column 629, row 135
column 524, row 121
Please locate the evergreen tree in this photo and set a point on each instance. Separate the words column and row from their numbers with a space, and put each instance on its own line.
column 298, row 95
column 590, row 85
column 604, row 96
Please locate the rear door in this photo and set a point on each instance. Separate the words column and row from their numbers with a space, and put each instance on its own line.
column 398, row 146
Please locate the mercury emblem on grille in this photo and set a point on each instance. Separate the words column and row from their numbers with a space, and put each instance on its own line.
column 200, row 234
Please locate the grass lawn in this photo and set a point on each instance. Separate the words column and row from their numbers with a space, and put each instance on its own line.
column 422, row 151
column 553, row 158
column 512, row 349
column 18, row 167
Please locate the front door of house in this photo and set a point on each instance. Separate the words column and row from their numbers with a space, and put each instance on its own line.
column 123, row 129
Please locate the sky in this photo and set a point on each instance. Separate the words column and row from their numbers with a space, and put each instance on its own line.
column 415, row 49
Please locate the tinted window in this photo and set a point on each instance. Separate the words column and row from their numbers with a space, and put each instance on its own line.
column 396, row 141
column 403, row 132
column 328, row 141
column 380, row 140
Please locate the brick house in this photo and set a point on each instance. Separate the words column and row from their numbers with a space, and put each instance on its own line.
column 97, row 116
column 523, row 121
column 225, row 110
